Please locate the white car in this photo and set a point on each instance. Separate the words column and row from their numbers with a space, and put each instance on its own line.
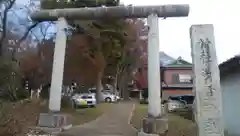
column 180, row 101
column 84, row 100
column 173, row 105
column 110, row 97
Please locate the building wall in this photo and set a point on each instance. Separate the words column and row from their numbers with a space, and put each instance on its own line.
column 230, row 86
column 168, row 92
column 166, row 77
column 168, row 74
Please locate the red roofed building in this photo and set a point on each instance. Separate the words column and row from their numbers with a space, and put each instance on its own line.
column 176, row 76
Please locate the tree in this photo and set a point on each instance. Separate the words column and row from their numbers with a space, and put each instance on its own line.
column 108, row 43
column 131, row 55
column 33, row 57
column 7, row 6
column 18, row 34
column 96, row 33
column 94, row 47
column 10, row 19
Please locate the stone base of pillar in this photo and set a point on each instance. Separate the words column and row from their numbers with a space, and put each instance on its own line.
column 154, row 126
column 53, row 122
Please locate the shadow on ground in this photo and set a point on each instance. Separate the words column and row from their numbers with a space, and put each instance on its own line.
column 186, row 113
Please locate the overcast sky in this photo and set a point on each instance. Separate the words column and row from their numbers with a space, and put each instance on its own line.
column 174, row 32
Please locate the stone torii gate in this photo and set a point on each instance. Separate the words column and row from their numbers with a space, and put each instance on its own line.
column 154, row 123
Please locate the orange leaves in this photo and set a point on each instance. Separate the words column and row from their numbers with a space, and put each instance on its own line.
column 80, row 47
column 80, row 64
column 86, row 56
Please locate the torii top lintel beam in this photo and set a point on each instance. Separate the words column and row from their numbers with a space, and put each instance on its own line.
column 111, row 12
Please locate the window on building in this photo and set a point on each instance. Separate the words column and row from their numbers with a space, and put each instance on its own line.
column 184, row 78
column 181, row 78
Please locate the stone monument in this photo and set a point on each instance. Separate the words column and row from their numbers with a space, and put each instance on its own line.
column 208, row 112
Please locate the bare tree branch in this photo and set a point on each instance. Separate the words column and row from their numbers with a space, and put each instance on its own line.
column 35, row 37
column 27, row 32
column 4, row 23
column 44, row 32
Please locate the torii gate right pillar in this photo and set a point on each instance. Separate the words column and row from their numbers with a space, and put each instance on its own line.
column 156, row 123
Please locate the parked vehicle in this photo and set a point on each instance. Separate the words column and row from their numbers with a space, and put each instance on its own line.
column 108, row 95
column 180, row 101
column 85, row 99
column 174, row 105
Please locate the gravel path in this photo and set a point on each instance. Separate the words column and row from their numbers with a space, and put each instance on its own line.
column 113, row 123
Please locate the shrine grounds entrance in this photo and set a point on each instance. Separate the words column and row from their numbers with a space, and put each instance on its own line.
column 207, row 84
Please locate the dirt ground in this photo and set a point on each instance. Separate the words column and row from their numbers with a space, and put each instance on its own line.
column 83, row 115
column 16, row 118
column 179, row 124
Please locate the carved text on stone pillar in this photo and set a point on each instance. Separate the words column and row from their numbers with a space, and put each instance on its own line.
column 211, row 126
column 208, row 101
column 207, row 85
column 206, row 60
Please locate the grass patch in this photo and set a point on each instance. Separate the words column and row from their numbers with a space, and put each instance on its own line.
column 178, row 126
column 83, row 115
column 139, row 113
column 186, row 113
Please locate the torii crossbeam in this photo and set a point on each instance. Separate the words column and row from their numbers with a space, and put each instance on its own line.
column 111, row 12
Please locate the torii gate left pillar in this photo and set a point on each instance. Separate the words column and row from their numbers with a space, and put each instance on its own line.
column 155, row 123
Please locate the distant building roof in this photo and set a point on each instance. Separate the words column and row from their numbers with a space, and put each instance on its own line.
column 230, row 65
column 179, row 63
column 170, row 62
column 165, row 59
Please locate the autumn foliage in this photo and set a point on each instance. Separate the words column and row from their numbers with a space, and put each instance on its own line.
column 81, row 64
